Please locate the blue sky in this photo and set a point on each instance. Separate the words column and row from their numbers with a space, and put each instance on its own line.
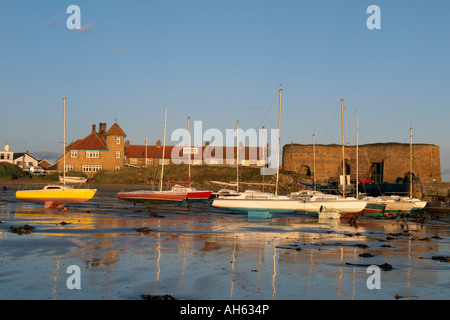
column 223, row 61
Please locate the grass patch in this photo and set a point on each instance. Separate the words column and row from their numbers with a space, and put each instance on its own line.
column 201, row 177
column 12, row 172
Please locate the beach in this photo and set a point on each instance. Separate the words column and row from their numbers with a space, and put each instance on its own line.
column 127, row 252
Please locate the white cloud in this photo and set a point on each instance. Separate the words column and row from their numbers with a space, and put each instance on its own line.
column 53, row 23
column 122, row 50
column 85, row 29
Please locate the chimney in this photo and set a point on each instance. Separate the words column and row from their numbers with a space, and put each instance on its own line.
column 93, row 128
column 6, row 146
column 158, row 144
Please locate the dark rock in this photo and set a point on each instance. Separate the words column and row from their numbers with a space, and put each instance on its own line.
column 22, row 230
column 441, row 258
column 366, row 255
column 144, row 229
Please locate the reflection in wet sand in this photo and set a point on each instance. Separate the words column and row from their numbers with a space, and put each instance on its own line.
column 206, row 253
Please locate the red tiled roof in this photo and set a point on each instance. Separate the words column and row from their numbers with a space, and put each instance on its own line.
column 91, row 142
column 115, row 130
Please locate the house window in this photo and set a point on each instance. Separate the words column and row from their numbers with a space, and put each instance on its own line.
column 2, row 156
column 117, row 154
column 117, row 140
column 74, row 154
column 91, row 168
column 69, row 167
column 133, row 161
column 92, row 154
column 116, row 167
column 166, row 161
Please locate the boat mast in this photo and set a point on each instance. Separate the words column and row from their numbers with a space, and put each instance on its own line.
column 410, row 163
column 264, row 157
column 343, row 150
column 314, row 160
column 237, row 156
column 357, row 160
column 164, row 150
column 189, row 152
column 279, row 141
column 64, row 141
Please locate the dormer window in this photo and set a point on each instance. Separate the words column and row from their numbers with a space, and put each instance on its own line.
column 117, row 140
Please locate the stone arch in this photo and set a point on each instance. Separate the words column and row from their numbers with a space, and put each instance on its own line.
column 304, row 170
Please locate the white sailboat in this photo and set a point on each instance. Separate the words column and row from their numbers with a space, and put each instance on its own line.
column 263, row 204
column 396, row 203
column 329, row 206
column 256, row 203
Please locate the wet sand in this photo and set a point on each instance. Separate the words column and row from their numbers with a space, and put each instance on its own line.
column 202, row 253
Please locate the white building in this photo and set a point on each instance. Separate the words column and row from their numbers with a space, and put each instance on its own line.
column 6, row 155
column 25, row 161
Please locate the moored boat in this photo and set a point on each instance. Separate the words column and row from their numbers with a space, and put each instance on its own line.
column 315, row 201
column 56, row 196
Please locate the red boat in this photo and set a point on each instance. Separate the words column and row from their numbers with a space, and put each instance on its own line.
column 153, row 198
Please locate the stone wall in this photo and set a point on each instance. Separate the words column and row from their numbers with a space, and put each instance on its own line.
column 385, row 162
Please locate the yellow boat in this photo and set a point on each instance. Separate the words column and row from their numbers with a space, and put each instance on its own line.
column 56, row 196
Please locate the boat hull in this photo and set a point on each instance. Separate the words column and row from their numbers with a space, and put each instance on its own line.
column 371, row 210
column 341, row 206
column 255, row 205
column 290, row 205
column 199, row 195
column 56, row 198
column 151, row 197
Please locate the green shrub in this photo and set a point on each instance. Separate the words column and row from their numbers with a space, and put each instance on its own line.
column 12, row 172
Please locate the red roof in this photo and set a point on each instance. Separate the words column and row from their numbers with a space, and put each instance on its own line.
column 91, row 142
column 156, row 152
column 96, row 140
column 115, row 130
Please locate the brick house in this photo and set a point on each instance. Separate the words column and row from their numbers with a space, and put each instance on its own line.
column 102, row 150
